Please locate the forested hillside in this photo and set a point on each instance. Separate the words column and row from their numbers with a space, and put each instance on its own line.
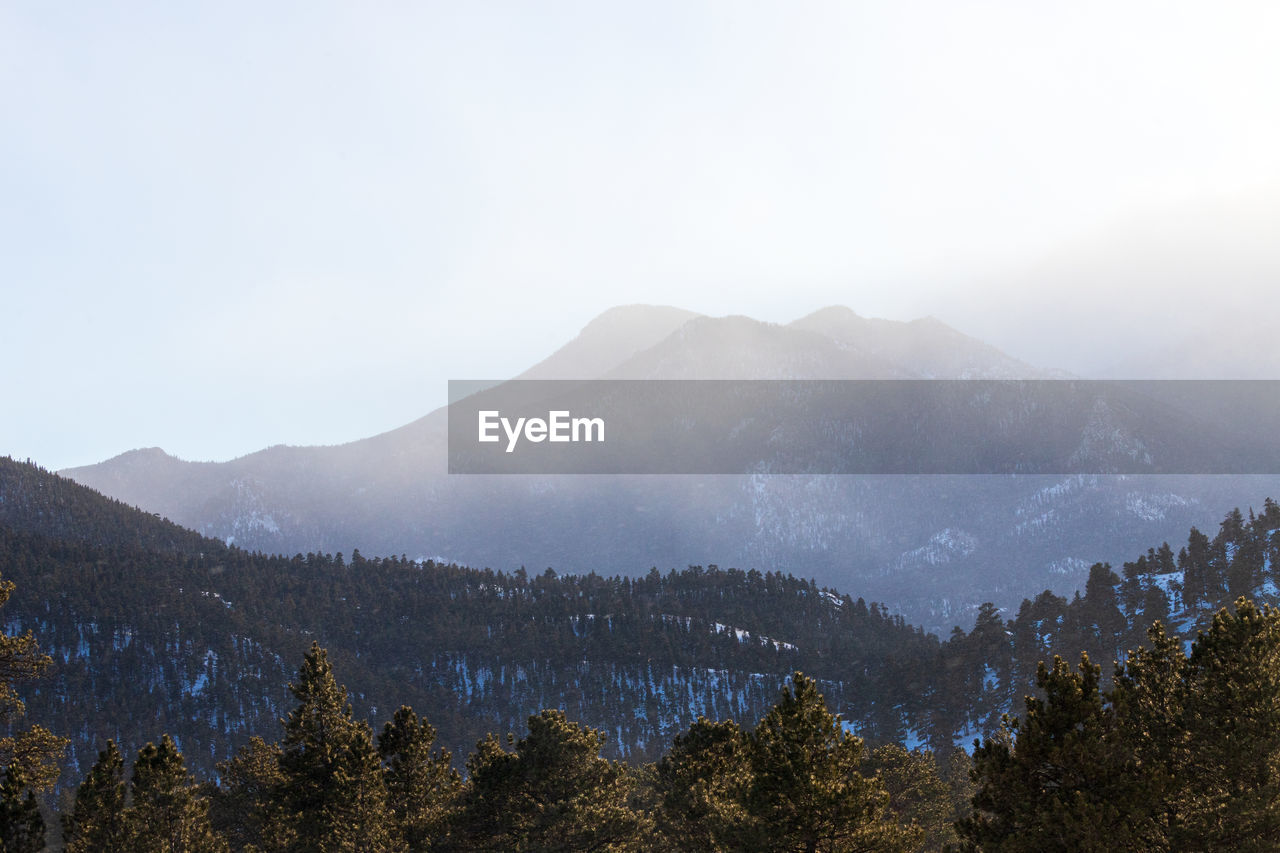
column 199, row 640
column 155, row 629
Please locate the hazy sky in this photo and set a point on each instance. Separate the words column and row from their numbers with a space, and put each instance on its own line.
column 230, row 225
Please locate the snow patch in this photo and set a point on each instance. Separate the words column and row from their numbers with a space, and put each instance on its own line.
column 944, row 546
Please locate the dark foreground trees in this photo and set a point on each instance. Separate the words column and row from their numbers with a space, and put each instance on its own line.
column 553, row 792
column 794, row 783
column 33, row 753
column 96, row 821
column 167, row 814
column 798, row 782
column 1183, row 754
column 331, row 792
column 29, row 757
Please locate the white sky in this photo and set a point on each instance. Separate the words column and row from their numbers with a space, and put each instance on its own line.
column 245, row 224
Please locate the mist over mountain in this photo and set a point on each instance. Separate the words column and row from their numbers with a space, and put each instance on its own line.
column 1178, row 291
column 932, row 547
column 1248, row 350
column 928, row 347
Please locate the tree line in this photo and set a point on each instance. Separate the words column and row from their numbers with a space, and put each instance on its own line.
column 1181, row 754
column 798, row 780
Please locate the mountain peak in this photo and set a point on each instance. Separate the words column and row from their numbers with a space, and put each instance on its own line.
column 140, row 456
column 925, row 346
column 829, row 314
column 638, row 314
column 609, row 339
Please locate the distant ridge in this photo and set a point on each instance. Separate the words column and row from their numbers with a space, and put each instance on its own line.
column 391, row 494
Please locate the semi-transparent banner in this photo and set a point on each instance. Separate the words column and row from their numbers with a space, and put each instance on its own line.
column 864, row 427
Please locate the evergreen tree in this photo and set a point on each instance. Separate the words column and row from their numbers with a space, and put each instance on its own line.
column 359, row 822
column 702, row 783
column 957, row 772
column 421, row 786
column 1232, row 720
column 167, row 813
column 1183, row 755
column 245, row 807
column 96, row 821
column 1131, row 588
column 331, row 795
column 991, row 652
column 34, row 751
column 1054, row 781
column 806, row 791
column 1037, row 623
column 1200, row 583
column 1270, row 518
column 552, row 793
column 1155, row 605
column 1103, row 623
column 918, row 796
column 21, row 826
column 1148, row 702
column 1247, row 554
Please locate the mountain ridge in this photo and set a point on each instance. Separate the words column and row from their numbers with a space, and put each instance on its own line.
column 390, row 493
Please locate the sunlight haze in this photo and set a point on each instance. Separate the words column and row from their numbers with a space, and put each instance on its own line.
column 239, row 225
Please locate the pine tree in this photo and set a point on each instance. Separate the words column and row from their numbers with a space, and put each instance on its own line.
column 359, row 821
column 245, row 808
column 1155, row 605
column 918, row 796
column 806, row 790
column 1148, row 703
column 1184, row 753
column 702, row 783
column 421, row 786
column 331, row 796
column 1232, row 721
column 990, row 652
column 21, row 826
column 1054, row 780
column 552, row 793
column 1131, row 588
column 167, row 813
column 957, row 772
column 35, row 751
column 96, row 821
column 1248, row 552
column 1100, row 617
column 1200, row 582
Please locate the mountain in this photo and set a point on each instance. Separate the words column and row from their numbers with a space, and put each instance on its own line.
column 934, row 548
